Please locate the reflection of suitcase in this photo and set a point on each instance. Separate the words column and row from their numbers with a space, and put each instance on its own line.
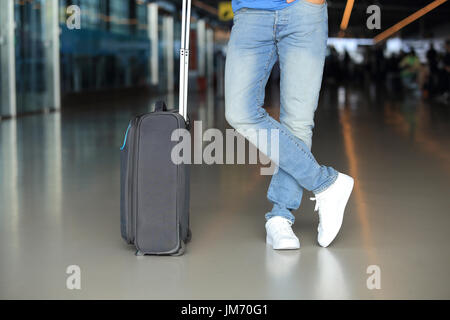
column 154, row 195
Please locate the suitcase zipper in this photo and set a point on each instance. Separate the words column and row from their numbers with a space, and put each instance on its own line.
column 131, row 192
column 126, row 135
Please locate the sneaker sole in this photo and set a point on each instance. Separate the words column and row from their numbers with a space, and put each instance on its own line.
column 351, row 183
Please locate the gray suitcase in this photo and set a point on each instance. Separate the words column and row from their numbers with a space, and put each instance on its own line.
column 154, row 195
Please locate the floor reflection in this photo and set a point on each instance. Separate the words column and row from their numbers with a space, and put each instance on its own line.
column 9, row 182
column 59, row 200
column 331, row 282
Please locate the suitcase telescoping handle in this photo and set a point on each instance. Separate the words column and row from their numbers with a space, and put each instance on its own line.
column 184, row 57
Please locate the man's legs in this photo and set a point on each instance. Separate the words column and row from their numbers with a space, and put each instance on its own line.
column 251, row 54
column 302, row 41
column 256, row 38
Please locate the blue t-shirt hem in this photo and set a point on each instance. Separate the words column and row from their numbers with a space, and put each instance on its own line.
column 260, row 4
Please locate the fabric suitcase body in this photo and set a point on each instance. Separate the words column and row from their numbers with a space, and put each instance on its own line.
column 154, row 190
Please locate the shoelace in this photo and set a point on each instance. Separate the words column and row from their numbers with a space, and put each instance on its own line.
column 320, row 202
column 284, row 228
column 317, row 200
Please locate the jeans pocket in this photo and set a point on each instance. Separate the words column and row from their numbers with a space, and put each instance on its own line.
column 238, row 13
column 309, row 20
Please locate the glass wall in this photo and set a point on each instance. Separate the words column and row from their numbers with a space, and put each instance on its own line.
column 33, row 53
column 165, row 45
column 4, row 106
column 141, row 18
column 120, row 43
column 112, row 48
column 162, row 58
column 7, row 60
column 120, row 17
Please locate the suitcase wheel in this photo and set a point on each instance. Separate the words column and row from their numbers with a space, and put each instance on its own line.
column 181, row 251
column 139, row 253
column 188, row 236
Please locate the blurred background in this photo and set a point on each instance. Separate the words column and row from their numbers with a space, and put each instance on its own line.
column 135, row 43
column 68, row 92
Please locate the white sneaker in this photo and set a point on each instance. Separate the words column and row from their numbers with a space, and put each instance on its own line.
column 331, row 205
column 280, row 235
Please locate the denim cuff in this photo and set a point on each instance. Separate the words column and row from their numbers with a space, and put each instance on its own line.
column 280, row 211
column 327, row 183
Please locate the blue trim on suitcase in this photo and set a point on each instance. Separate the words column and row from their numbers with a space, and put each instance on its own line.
column 126, row 135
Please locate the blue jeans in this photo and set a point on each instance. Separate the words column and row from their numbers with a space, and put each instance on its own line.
column 297, row 37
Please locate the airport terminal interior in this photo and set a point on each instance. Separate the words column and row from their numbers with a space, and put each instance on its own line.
column 68, row 92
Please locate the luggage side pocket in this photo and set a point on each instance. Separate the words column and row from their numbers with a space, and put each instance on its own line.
column 124, row 205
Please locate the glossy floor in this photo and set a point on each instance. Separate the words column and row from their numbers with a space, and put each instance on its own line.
column 59, row 206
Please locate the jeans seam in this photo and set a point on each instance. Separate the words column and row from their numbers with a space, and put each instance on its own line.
column 260, row 103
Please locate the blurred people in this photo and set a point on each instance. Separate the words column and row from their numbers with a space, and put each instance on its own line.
column 431, row 75
column 347, row 68
column 423, row 79
column 393, row 72
column 379, row 64
column 445, row 75
column 332, row 66
column 410, row 67
column 432, row 58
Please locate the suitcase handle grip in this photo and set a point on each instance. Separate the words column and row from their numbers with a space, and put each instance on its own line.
column 184, row 57
column 160, row 106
